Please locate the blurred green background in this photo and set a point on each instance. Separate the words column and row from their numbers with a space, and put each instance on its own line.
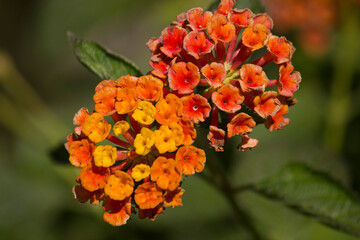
column 42, row 85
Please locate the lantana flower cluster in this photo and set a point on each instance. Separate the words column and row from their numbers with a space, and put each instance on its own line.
column 206, row 59
column 137, row 163
column 135, row 148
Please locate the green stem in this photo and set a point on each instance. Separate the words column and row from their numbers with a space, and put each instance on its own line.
column 222, row 183
column 243, row 188
column 345, row 63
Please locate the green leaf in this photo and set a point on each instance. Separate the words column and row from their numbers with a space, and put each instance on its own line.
column 253, row 5
column 314, row 194
column 100, row 61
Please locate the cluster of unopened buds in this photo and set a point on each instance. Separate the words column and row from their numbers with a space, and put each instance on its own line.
column 201, row 70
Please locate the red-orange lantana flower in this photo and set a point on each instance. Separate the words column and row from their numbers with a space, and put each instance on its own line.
column 207, row 59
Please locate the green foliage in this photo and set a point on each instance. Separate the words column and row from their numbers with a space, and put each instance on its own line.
column 314, row 194
column 100, row 61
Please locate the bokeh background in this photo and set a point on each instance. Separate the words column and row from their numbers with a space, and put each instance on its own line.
column 42, row 85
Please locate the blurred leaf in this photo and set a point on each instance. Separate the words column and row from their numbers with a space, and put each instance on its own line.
column 314, row 194
column 103, row 63
column 254, row 5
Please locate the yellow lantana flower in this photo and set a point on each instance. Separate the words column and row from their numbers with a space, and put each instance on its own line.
column 144, row 113
column 140, row 171
column 144, row 141
column 178, row 133
column 105, row 155
column 121, row 127
column 165, row 140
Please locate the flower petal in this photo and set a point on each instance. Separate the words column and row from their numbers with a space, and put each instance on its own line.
column 215, row 74
column 255, row 36
column 172, row 40
column 196, row 107
column 183, row 77
column 241, row 124
column 228, row 98
column 196, row 44
column 220, row 29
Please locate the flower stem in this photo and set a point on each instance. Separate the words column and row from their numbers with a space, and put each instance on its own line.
column 222, row 183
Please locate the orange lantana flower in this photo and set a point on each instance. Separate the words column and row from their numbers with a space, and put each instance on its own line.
column 126, row 100
column 264, row 19
column 104, row 97
column 196, row 44
column 96, row 128
column 266, row 104
column 278, row 121
column 172, row 40
column 196, row 107
column 240, row 124
column 79, row 119
column 220, row 29
column 198, row 18
column 252, row 78
column 166, row 172
column 247, row 143
column 228, row 98
column 255, row 36
column 242, row 18
column 188, row 130
column 191, row 159
column 148, row 195
column 217, row 138
column 81, row 152
column 149, row 88
column 183, row 77
column 281, row 49
column 168, row 110
column 119, row 186
column 117, row 212
column 215, row 74
column 288, row 80
column 127, row 81
column 225, row 6
column 204, row 72
column 93, row 178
